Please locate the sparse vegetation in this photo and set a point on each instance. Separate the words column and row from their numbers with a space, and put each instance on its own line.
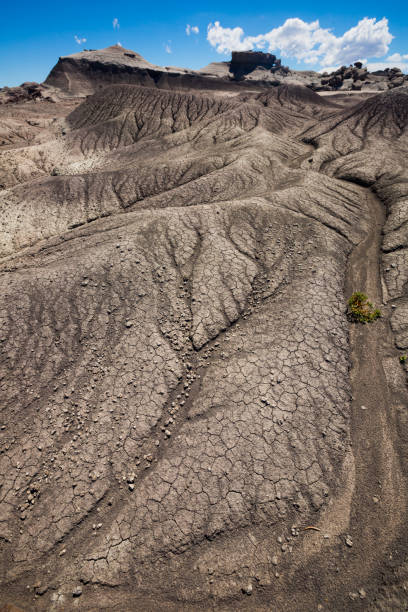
column 403, row 358
column 360, row 310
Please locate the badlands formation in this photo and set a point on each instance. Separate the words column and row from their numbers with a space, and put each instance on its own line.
column 189, row 419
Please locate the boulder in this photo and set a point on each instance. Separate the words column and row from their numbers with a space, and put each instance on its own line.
column 397, row 81
column 335, row 81
column 375, row 85
column 357, row 85
column 346, row 85
column 360, row 74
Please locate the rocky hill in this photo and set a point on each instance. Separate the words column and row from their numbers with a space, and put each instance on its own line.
column 85, row 72
column 190, row 417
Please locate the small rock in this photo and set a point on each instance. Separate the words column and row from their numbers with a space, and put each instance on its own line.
column 362, row 593
column 274, row 560
column 131, row 487
column 349, row 541
column 248, row 589
column 77, row 592
column 41, row 590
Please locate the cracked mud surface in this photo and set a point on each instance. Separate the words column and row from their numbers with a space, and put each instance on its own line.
column 188, row 419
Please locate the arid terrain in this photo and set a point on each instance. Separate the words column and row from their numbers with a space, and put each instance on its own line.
column 189, row 419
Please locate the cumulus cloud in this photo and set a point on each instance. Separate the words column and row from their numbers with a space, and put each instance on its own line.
column 79, row 40
column 115, row 24
column 191, row 29
column 396, row 60
column 397, row 57
column 308, row 42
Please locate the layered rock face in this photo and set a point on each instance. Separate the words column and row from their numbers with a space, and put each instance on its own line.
column 83, row 72
column 181, row 416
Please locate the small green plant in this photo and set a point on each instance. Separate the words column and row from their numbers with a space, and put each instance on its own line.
column 360, row 310
column 403, row 358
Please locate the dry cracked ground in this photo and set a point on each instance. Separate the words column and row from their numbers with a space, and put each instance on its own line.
column 188, row 419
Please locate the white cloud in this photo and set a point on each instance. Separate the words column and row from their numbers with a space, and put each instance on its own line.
column 191, row 29
column 308, row 42
column 115, row 24
column 374, row 66
column 397, row 57
column 167, row 47
column 396, row 60
column 119, row 44
column 226, row 40
column 79, row 40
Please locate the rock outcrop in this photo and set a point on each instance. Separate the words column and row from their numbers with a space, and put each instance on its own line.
column 25, row 92
column 357, row 78
column 89, row 71
column 86, row 71
column 244, row 62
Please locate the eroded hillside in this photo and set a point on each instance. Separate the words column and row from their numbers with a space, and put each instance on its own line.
column 188, row 419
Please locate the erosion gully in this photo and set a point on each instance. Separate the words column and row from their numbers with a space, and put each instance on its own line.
column 379, row 502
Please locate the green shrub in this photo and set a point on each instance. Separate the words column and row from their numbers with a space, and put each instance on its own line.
column 403, row 358
column 360, row 310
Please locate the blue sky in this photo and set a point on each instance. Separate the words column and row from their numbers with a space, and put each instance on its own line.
column 34, row 34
